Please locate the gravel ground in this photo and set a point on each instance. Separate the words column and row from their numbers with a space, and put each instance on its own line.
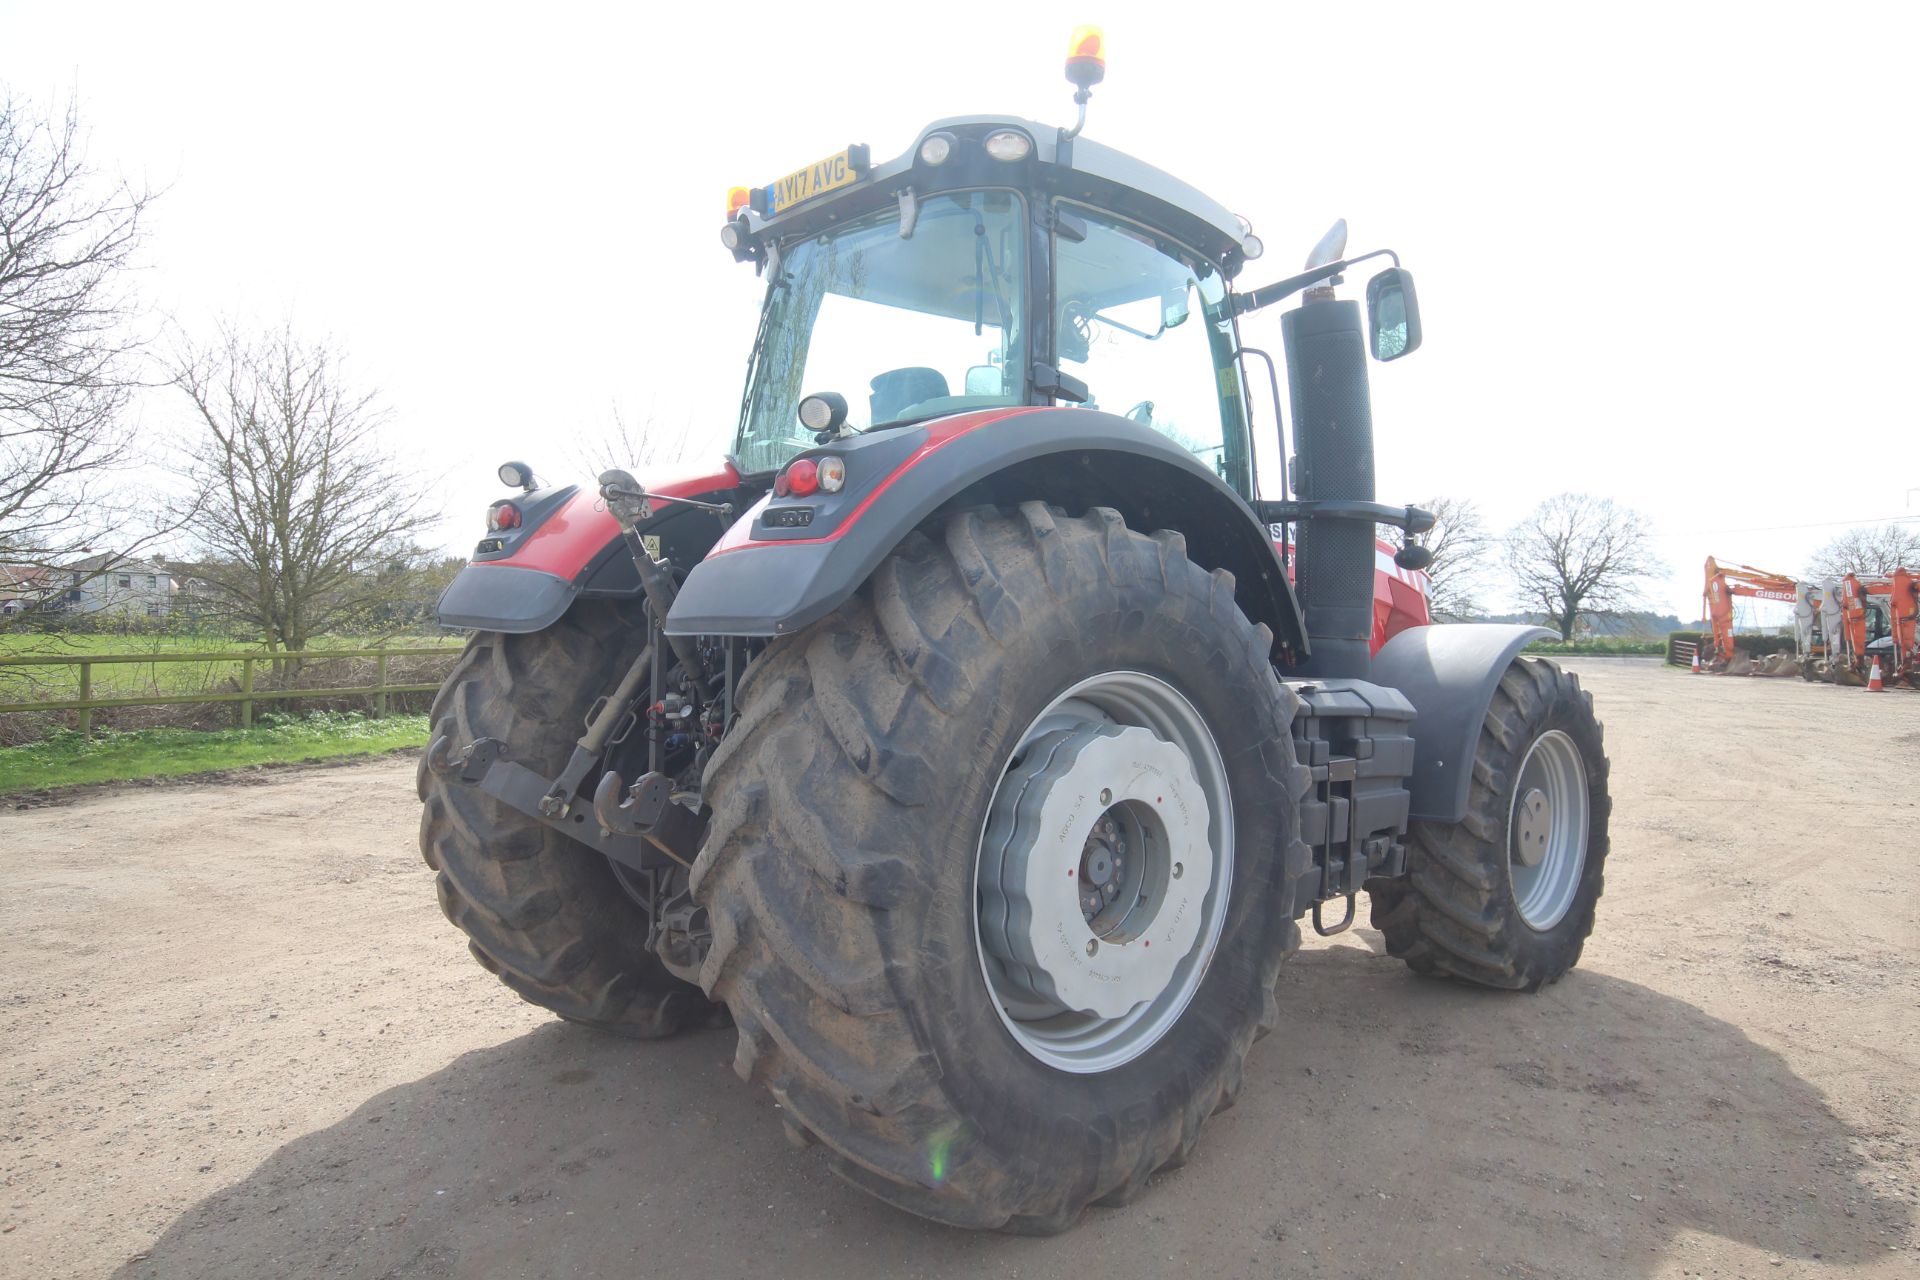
column 238, row 1039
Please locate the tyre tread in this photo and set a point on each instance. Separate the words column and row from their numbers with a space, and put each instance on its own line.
column 1451, row 914
column 902, row 658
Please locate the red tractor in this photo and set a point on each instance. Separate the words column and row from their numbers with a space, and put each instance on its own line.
column 978, row 734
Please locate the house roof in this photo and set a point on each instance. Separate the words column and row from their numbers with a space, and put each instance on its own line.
column 115, row 563
column 18, row 580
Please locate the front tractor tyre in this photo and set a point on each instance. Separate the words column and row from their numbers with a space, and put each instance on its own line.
column 546, row 914
column 1506, row 896
column 1001, row 863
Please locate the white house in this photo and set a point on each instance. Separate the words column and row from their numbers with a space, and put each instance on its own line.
column 108, row 583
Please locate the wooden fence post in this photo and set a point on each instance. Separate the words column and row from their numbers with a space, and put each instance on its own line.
column 380, row 683
column 246, row 686
column 86, row 695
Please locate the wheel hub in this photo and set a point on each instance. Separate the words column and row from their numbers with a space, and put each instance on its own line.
column 1094, row 869
column 1547, row 830
column 1533, row 822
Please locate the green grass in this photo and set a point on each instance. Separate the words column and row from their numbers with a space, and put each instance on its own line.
column 67, row 758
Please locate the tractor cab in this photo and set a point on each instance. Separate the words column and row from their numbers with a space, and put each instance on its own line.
column 1000, row 265
column 996, row 263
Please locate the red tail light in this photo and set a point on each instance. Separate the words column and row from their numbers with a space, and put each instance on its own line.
column 503, row 515
column 803, row 477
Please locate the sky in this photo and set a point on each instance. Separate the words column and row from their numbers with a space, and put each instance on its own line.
column 1660, row 247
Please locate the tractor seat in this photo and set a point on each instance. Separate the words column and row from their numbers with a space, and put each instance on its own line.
column 897, row 390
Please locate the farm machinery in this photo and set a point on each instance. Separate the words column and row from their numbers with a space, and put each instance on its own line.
column 1729, row 582
column 978, row 734
column 1843, row 626
column 1867, row 621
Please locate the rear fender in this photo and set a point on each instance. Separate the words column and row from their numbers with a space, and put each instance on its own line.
column 1449, row 674
column 571, row 547
column 765, row 578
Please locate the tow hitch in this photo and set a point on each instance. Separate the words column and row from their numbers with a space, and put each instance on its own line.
column 648, row 825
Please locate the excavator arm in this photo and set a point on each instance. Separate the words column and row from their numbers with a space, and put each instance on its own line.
column 1903, row 613
column 1853, row 617
column 1724, row 582
column 1869, row 619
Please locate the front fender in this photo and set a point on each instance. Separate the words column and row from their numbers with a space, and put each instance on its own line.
column 1448, row 673
column 764, row 579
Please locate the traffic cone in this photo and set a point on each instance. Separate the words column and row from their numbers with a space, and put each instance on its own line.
column 1874, row 683
column 1696, row 661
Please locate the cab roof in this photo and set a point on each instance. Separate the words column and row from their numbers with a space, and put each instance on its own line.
column 1077, row 168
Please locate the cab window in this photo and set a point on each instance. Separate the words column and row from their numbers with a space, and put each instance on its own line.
column 1148, row 327
column 905, row 327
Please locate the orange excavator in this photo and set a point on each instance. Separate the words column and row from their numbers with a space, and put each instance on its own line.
column 1903, row 610
column 1842, row 625
column 1724, row 583
column 1879, row 621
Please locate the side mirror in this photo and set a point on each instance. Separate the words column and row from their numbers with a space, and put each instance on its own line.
column 985, row 380
column 1393, row 314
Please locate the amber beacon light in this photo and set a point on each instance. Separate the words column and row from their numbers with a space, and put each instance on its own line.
column 1087, row 57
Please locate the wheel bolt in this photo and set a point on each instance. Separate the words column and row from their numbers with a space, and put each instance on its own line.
column 1106, row 797
column 1093, row 945
column 1178, row 867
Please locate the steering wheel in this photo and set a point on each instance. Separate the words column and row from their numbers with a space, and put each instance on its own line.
column 1142, row 413
column 1075, row 338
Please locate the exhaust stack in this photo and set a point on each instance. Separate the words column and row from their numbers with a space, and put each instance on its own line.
column 1326, row 348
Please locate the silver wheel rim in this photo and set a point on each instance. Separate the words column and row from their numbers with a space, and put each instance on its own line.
column 1110, row 834
column 1547, row 830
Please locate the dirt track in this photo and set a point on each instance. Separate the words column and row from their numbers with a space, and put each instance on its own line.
column 238, row 1039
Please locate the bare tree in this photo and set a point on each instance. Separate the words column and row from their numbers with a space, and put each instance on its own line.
column 1461, row 545
column 1868, row 552
column 1578, row 555
column 307, row 524
column 627, row 445
column 67, row 238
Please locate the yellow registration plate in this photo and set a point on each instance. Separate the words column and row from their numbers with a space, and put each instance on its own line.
column 815, row 180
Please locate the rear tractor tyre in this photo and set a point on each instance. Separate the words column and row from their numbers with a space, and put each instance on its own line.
column 544, row 913
column 1506, row 897
column 999, row 866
